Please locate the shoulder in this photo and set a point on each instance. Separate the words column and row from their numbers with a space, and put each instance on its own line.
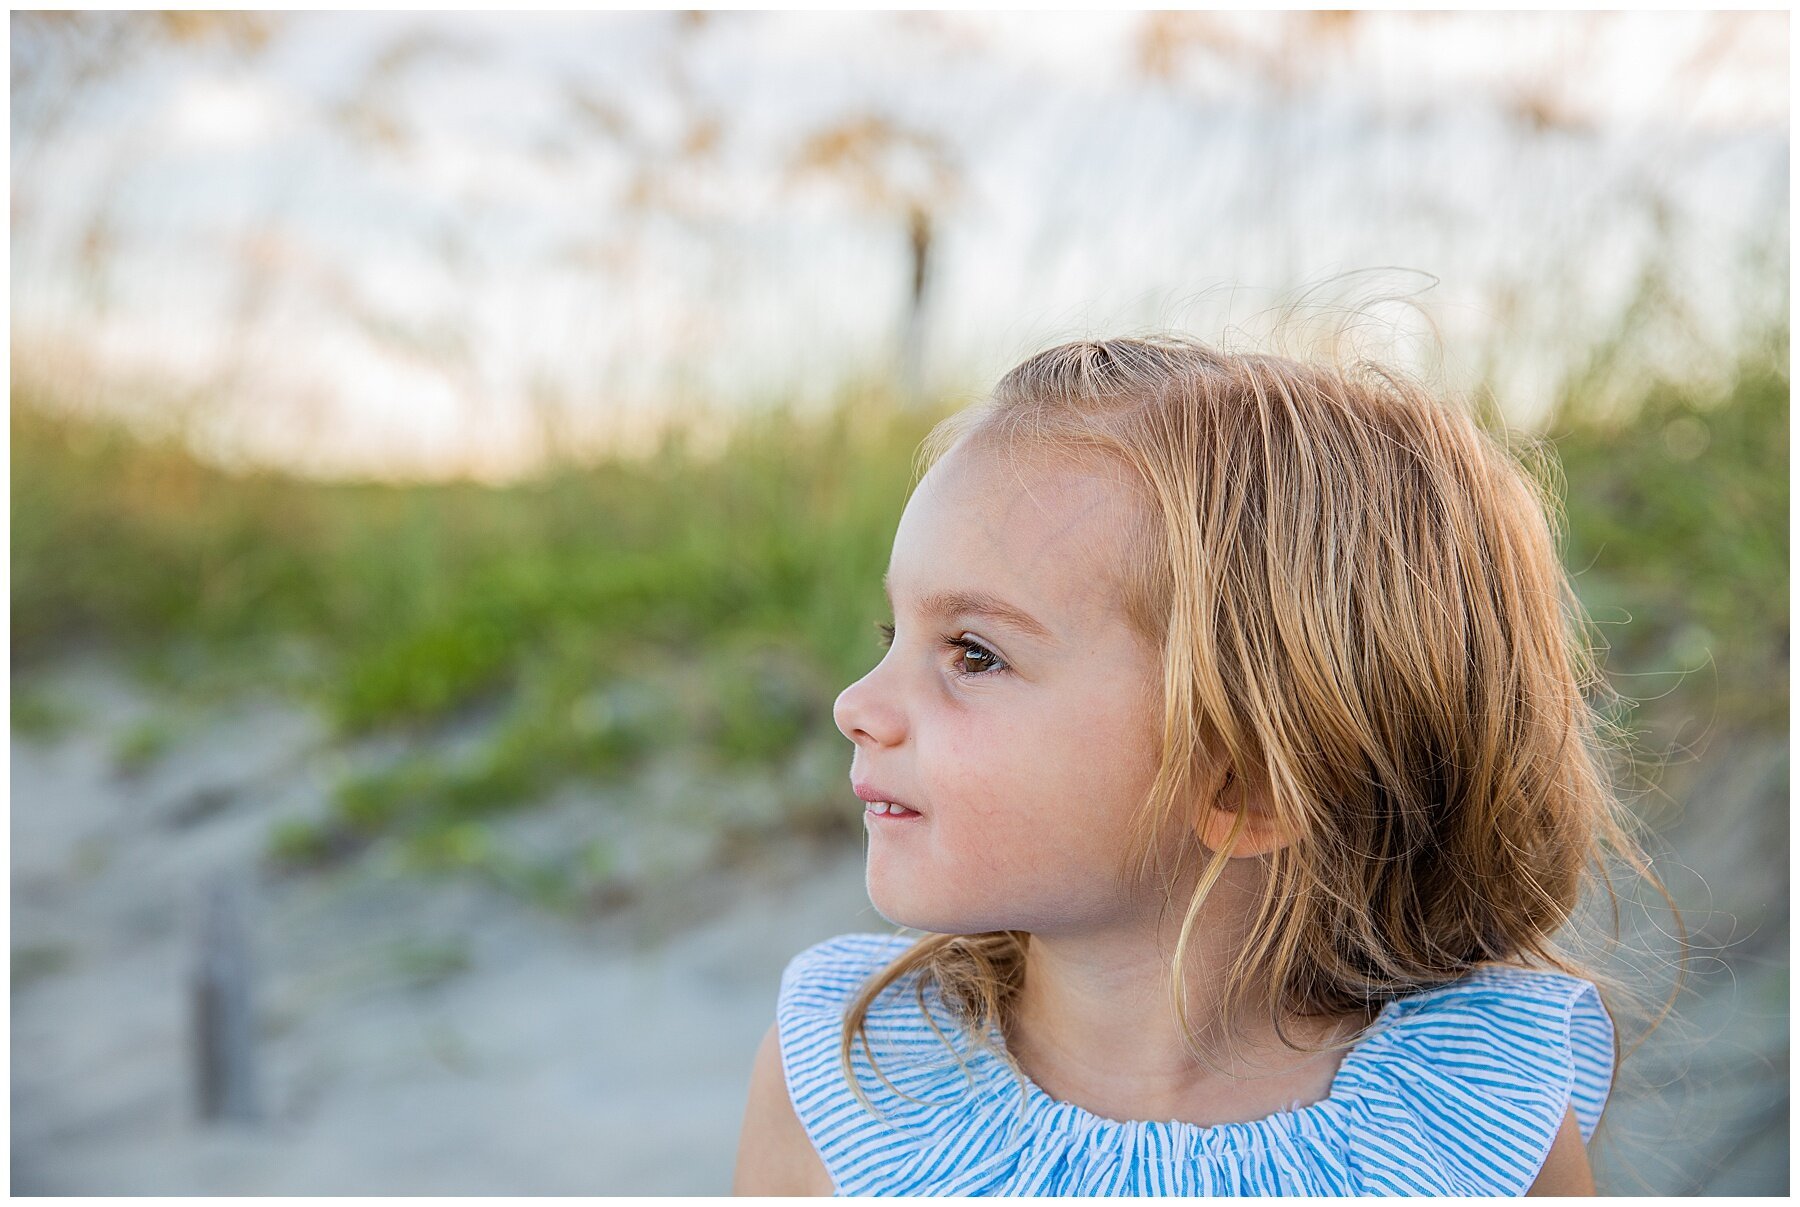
column 875, row 1115
column 817, row 987
column 1566, row 1171
column 775, row 1157
column 1542, row 1026
column 1482, row 1074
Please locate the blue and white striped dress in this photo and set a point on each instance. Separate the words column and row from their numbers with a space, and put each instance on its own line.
column 1458, row 1090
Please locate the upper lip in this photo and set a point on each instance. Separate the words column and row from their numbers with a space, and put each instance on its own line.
column 869, row 792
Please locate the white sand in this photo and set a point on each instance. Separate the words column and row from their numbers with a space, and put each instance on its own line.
column 565, row 1058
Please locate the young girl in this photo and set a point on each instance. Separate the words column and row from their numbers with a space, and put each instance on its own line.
column 1230, row 748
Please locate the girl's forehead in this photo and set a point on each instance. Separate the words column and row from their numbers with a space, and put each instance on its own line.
column 1006, row 475
column 1046, row 535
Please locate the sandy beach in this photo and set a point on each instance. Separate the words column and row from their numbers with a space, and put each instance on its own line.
column 435, row 1035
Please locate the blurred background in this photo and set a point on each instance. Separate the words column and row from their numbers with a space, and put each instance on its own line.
column 454, row 458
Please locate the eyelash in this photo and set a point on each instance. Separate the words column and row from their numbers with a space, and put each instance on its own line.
column 953, row 643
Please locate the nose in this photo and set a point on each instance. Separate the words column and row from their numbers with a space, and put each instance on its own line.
column 865, row 715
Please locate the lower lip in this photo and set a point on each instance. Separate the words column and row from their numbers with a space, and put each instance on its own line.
column 894, row 817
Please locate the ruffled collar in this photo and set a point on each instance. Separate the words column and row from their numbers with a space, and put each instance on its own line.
column 1458, row 1089
column 1175, row 1140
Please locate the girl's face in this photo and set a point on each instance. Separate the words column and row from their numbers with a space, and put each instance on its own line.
column 1025, row 752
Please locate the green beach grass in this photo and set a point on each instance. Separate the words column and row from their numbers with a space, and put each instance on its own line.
column 583, row 621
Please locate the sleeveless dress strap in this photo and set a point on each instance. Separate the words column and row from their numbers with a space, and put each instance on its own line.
column 1477, row 1077
column 817, row 988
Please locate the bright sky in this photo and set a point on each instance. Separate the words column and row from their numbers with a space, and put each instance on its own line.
column 410, row 311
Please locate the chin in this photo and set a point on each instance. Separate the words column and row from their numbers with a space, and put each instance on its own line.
column 903, row 907
column 897, row 907
column 900, row 904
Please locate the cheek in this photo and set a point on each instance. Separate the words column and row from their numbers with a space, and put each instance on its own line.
column 1029, row 827
column 982, row 846
column 1036, row 798
column 997, row 779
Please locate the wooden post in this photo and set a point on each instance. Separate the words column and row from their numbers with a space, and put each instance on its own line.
column 224, row 1026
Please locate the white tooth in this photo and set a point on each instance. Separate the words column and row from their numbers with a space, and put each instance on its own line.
column 879, row 806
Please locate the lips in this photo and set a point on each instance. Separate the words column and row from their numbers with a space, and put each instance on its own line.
column 875, row 793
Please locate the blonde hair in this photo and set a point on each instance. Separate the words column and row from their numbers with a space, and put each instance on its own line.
column 1363, row 619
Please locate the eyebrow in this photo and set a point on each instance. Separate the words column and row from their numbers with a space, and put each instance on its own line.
column 976, row 603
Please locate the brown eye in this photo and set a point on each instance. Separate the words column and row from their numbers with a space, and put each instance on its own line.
column 991, row 663
column 974, row 649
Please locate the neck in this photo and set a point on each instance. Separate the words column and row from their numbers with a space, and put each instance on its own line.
column 1094, row 1023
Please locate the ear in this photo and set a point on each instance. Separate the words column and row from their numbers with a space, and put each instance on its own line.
column 1236, row 809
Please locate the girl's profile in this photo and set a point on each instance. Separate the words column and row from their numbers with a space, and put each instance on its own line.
column 1230, row 755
